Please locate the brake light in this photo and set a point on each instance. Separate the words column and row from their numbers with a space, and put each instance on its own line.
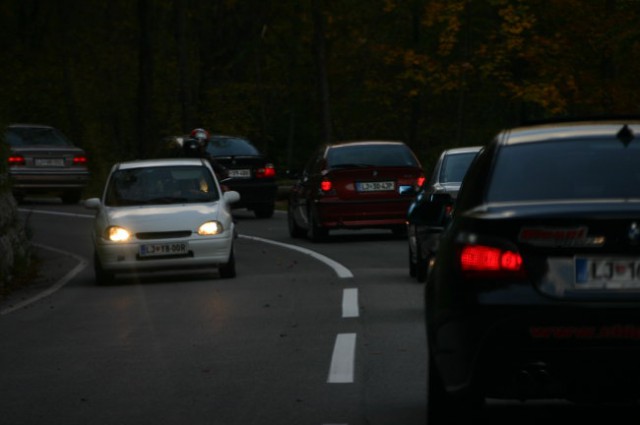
column 480, row 258
column 268, row 171
column 79, row 160
column 421, row 180
column 325, row 185
column 16, row 160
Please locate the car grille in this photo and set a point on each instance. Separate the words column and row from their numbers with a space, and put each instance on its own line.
column 164, row 235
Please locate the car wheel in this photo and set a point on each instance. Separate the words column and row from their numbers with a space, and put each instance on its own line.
column 443, row 408
column 399, row 231
column 295, row 231
column 422, row 263
column 71, row 197
column 315, row 232
column 103, row 277
column 412, row 264
column 264, row 210
column 228, row 269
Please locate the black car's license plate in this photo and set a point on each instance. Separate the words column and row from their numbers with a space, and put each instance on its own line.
column 607, row 273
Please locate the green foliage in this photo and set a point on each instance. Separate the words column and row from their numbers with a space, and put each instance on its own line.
column 435, row 73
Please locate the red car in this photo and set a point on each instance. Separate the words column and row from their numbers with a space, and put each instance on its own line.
column 354, row 185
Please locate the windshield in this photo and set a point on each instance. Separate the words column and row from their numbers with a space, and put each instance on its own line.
column 371, row 155
column 574, row 169
column 161, row 185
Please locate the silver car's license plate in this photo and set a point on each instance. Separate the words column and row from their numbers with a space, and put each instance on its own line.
column 163, row 249
column 49, row 162
column 607, row 273
column 375, row 186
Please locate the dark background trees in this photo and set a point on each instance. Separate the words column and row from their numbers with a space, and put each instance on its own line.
column 121, row 77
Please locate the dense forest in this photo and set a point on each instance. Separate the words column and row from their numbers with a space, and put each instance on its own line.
column 121, row 77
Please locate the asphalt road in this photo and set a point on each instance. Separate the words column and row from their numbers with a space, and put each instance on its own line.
column 316, row 334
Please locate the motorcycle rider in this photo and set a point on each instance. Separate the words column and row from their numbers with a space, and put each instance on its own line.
column 196, row 147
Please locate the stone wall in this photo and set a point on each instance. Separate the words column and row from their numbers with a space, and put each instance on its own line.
column 15, row 246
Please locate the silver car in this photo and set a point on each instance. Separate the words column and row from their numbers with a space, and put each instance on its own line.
column 162, row 214
column 42, row 160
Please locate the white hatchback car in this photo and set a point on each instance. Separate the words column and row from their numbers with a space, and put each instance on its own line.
column 163, row 214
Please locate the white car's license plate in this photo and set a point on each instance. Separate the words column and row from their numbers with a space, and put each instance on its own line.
column 163, row 249
column 375, row 186
column 607, row 273
column 49, row 162
column 243, row 174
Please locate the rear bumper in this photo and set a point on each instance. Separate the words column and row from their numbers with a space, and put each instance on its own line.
column 354, row 215
column 540, row 352
column 48, row 180
column 253, row 192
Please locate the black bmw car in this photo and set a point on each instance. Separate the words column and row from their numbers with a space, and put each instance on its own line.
column 422, row 234
column 535, row 288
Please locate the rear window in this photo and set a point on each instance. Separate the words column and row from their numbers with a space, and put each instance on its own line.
column 33, row 136
column 455, row 166
column 371, row 155
column 231, row 146
column 572, row 169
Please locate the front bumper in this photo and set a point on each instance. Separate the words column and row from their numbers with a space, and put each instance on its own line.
column 203, row 252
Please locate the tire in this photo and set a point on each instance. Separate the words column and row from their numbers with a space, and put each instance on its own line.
column 443, row 408
column 103, row 277
column 264, row 210
column 422, row 263
column 228, row 269
column 412, row 265
column 315, row 232
column 295, row 231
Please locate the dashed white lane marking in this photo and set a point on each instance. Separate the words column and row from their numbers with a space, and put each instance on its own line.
column 340, row 270
column 350, row 303
column 82, row 263
column 342, row 360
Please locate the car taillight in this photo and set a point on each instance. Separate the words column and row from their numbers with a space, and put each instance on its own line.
column 326, row 185
column 488, row 259
column 267, row 171
column 421, row 180
column 16, row 160
column 79, row 160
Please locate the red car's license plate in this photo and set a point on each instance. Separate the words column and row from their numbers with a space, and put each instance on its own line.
column 375, row 186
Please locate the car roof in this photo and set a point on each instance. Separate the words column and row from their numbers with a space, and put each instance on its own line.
column 162, row 162
column 365, row 143
column 27, row 125
column 567, row 130
column 465, row 149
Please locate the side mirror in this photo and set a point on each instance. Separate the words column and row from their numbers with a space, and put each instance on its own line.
column 92, row 203
column 231, row 196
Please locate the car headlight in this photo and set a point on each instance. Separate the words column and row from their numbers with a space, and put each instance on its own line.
column 210, row 228
column 117, row 234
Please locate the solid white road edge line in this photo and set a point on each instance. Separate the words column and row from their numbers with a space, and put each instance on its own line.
column 342, row 360
column 82, row 263
column 340, row 270
column 350, row 303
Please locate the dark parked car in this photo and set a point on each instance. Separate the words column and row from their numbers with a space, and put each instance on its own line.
column 248, row 172
column 42, row 160
column 535, row 288
column 354, row 185
column 422, row 235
